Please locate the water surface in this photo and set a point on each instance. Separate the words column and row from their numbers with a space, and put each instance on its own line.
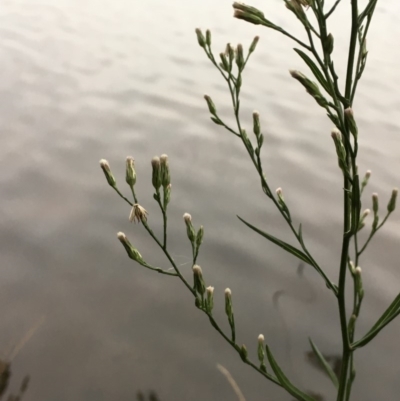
column 88, row 80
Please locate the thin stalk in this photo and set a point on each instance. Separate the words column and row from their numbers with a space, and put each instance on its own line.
column 373, row 232
column 327, row 15
column 237, row 349
column 347, row 351
column 358, row 72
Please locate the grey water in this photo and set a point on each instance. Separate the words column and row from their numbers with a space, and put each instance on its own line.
column 85, row 80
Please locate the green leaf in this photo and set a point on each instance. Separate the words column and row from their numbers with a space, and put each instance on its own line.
column 315, row 70
column 284, row 381
column 325, row 364
column 391, row 312
column 289, row 248
column 301, row 236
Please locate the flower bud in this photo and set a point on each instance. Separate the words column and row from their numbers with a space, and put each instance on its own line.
column 261, row 348
column 243, row 352
column 248, row 9
column 200, row 38
column 208, row 37
column 240, row 57
column 352, row 267
column 375, row 202
column 230, row 52
column 256, row 124
column 189, row 227
column 363, row 216
column 349, row 116
column 130, row 171
column 164, row 171
column 358, row 280
column 105, row 166
column 310, row 87
column 366, row 212
column 156, row 177
column 295, row 7
column 375, row 208
column 224, row 62
column 281, row 199
column 329, row 43
column 210, row 298
column 254, row 44
column 199, row 236
column 352, row 322
column 228, row 304
column 211, row 105
column 392, row 202
column 365, row 180
column 249, row 17
column 199, row 285
column 132, row 252
column 340, row 149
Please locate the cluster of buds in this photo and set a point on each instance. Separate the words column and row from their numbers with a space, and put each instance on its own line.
column 161, row 177
column 203, row 40
column 311, row 87
column 257, row 131
column 296, row 7
column 195, row 238
column 250, row 14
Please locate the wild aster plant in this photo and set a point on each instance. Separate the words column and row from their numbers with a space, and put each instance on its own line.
column 336, row 102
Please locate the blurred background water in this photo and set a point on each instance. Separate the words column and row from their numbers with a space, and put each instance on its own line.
column 85, row 80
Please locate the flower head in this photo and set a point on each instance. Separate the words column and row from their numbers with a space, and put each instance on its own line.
column 138, row 213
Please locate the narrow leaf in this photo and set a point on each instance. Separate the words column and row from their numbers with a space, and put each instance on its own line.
column 391, row 312
column 328, row 369
column 284, row 381
column 301, row 236
column 315, row 70
column 289, row 248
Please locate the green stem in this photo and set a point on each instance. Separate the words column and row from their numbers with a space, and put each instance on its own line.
column 327, row 15
column 373, row 232
column 347, row 351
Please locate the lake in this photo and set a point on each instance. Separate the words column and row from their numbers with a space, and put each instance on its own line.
column 86, row 80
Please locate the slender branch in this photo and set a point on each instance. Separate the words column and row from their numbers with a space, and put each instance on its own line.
column 327, row 15
column 373, row 232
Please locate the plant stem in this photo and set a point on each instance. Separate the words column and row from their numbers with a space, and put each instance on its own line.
column 347, row 351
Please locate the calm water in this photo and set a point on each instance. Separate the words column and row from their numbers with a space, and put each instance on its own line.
column 85, row 80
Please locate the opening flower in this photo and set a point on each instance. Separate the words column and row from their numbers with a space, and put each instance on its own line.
column 138, row 214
